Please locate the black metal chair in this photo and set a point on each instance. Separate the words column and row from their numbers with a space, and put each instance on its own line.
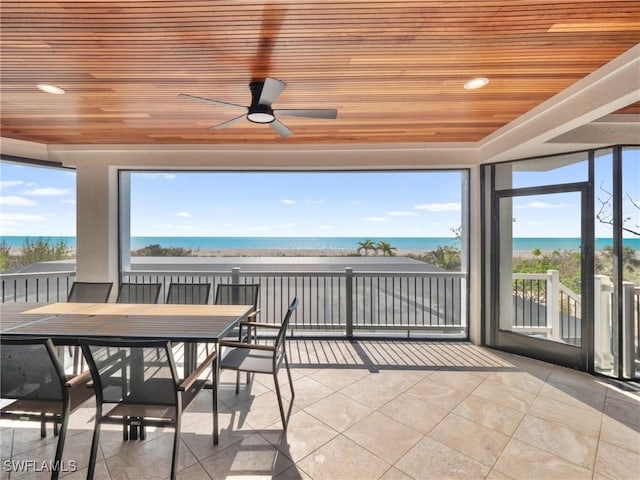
column 87, row 292
column 262, row 358
column 133, row 386
column 189, row 293
column 32, row 376
column 139, row 293
column 239, row 294
column 90, row 292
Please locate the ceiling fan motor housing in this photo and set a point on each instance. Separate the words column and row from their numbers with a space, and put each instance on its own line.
column 259, row 113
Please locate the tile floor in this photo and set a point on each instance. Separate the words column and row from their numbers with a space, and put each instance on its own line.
column 379, row 410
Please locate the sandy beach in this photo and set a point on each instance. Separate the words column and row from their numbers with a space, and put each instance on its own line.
column 290, row 252
column 294, row 252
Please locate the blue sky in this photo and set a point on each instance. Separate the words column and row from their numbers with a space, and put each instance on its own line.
column 39, row 201
column 360, row 204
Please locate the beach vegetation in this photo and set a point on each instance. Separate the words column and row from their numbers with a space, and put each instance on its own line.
column 446, row 257
column 5, row 258
column 43, row 250
column 33, row 251
column 568, row 264
column 630, row 263
column 156, row 250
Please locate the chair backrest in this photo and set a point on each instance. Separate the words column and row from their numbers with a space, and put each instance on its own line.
column 189, row 293
column 282, row 332
column 139, row 293
column 132, row 372
column 237, row 294
column 30, row 370
column 90, row 292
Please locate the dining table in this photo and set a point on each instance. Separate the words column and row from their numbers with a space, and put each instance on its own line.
column 65, row 323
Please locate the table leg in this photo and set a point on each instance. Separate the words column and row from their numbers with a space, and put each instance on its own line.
column 215, row 373
column 190, row 358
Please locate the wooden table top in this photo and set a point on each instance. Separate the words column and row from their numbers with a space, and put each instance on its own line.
column 179, row 323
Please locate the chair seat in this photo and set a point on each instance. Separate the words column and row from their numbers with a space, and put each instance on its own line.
column 78, row 394
column 33, row 406
column 247, row 360
column 146, row 411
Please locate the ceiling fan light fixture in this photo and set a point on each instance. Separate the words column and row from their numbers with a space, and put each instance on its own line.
column 261, row 117
column 476, row 83
column 45, row 87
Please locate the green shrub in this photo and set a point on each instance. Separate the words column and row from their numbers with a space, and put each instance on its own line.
column 446, row 257
column 5, row 259
column 42, row 250
column 156, row 250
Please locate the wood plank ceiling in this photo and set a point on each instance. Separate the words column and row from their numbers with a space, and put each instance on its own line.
column 394, row 70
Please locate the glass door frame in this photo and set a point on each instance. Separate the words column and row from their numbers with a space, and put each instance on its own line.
column 580, row 357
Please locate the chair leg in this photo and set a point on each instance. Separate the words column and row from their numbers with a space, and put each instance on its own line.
column 286, row 364
column 57, row 461
column 94, row 448
column 125, row 428
column 279, row 395
column 237, row 381
column 176, row 447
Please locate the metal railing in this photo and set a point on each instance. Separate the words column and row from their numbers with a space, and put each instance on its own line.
column 330, row 302
column 36, row 287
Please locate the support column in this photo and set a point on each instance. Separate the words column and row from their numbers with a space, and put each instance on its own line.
column 97, row 223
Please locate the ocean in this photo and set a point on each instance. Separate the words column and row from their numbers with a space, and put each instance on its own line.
column 283, row 243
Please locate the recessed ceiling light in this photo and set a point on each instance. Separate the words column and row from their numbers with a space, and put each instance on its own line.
column 45, row 87
column 474, row 83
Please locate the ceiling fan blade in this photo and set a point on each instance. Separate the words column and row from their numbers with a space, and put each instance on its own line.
column 310, row 113
column 228, row 122
column 271, row 89
column 208, row 100
column 281, row 128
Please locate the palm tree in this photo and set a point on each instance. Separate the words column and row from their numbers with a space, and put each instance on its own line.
column 366, row 245
column 386, row 249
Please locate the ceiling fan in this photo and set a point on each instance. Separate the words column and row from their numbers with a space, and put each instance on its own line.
column 263, row 94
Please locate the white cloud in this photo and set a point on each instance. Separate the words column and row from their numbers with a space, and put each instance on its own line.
column 47, row 192
column 169, row 176
column 376, row 219
column 402, row 214
column 356, row 202
column 439, row 207
column 287, row 201
column 313, row 202
column 15, row 218
column 543, row 205
column 16, row 201
column 284, row 226
column 70, row 202
column 326, row 227
column 184, row 214
column 11, row 183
